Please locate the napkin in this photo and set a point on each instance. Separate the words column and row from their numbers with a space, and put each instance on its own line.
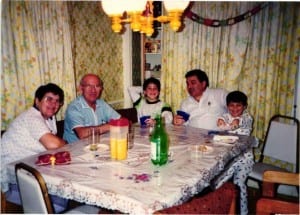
column 225, row 138
column 59, row 158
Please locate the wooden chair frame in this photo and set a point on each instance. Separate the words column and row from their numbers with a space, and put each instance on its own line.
column 269, row 204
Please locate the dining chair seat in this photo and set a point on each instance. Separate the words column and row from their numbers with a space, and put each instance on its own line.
column 260, row 168
column 34, row 193
column 220, row 201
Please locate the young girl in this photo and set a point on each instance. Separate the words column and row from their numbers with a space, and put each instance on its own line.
column 237, row 120
column 149, row 103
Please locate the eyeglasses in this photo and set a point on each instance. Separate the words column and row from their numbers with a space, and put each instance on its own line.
column 91, row 86
column 49, row 99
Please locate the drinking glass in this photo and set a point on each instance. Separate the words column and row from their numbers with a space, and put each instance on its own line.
column 94, row 139
column 130, row 137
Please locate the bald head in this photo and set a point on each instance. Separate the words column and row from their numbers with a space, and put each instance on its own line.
column 85, row 79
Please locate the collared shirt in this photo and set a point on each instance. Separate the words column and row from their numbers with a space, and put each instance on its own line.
column 80, row 114
column 204, row 114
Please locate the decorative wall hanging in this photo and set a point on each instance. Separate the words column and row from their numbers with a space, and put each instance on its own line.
column 225, row 22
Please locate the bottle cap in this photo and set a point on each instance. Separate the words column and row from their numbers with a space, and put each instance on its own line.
column 119, row 122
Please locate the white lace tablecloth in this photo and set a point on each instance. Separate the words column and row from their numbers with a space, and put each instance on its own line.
column 135, row 185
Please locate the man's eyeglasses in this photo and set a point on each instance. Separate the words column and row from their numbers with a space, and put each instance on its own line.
column 91, row 86
column 49, row 99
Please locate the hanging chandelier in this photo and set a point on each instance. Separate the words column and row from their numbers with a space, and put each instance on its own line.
column 139, row 13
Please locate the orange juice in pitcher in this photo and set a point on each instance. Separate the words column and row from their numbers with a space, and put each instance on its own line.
column 118, row 138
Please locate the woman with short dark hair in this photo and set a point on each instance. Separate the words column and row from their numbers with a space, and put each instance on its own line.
column 32, row 132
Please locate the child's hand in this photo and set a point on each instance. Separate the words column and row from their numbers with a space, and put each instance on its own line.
column 221, row 123
column 235, row 124
column 150, row 122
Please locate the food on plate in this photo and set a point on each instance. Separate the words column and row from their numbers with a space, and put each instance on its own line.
column 203, row 148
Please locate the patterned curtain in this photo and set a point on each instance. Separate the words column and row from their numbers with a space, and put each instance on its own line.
column 36, row 49
column 59, row 42
column 257, row 56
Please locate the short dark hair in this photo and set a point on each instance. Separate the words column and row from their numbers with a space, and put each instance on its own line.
column 151, row 81
column 52, row 88
column 237, row 96
column 201, row 75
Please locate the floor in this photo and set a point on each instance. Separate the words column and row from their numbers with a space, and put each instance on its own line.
column 253, row 195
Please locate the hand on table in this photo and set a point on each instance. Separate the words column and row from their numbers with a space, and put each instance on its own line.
column 178, row 120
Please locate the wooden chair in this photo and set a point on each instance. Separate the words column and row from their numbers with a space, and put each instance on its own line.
column 9, row 207
column 34, row 193
column 3, row 203
column 60, row 128
column 281, row 143
column 269, row 203
column 129, row 113
column 220, row 201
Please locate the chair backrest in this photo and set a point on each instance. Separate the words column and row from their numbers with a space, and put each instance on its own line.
column 60, row 128
column 129, row 113
column 282, row 140
column 33, row 190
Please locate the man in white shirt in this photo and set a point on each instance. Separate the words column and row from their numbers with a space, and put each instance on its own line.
column 204, row 105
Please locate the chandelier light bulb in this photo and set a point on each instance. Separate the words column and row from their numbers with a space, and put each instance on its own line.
column 140, row 14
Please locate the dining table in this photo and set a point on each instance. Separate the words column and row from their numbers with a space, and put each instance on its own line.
column 135, row 185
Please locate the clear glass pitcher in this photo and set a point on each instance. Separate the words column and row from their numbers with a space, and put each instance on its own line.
column 118, row 138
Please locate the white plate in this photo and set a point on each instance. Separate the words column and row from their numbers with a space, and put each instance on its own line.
column 225, row 138
column 100, row 148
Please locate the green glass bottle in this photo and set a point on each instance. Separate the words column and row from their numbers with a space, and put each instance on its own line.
column 159, row 143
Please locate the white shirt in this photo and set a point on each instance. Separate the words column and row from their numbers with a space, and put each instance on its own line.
column 145, row 108
column 22, row 137
column 204, row 114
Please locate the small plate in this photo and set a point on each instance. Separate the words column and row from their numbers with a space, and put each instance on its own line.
column 225, row 139
column 100, row 148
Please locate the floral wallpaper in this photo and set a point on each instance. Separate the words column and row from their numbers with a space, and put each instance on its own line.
column 96, row 49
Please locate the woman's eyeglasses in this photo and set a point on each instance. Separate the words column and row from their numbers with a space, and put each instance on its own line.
column 50, row 99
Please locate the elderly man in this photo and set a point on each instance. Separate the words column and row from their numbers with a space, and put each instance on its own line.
column 204, row 105
column 88, row 111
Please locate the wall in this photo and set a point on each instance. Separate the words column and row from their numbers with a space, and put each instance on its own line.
column 96, row 49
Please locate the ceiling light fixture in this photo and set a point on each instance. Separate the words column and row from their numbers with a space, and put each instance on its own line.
column 139, row 13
